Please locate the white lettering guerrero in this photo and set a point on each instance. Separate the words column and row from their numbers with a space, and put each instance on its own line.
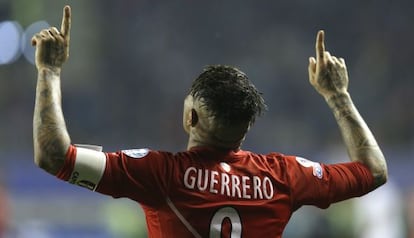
column 230, row 185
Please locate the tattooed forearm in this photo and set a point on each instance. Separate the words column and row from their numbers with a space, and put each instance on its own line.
column 359, row 140
column 51, row 139
column 348, row 118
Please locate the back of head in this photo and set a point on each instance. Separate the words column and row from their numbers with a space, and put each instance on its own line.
column 230, row 101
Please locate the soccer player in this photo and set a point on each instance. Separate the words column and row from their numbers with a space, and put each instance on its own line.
column 213, row 188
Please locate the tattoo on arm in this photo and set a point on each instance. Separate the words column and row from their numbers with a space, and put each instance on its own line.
column 355, row 129
column 359, row 140
column 51, row 139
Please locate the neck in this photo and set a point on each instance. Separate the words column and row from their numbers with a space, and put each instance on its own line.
column 196, row 141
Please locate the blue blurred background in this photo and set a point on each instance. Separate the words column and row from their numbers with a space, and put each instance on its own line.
column 132, row 62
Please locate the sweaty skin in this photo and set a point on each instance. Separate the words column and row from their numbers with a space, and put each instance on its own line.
column 329, row 76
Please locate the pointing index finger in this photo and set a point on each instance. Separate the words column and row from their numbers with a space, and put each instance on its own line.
column 320, row 46
column 66, row 22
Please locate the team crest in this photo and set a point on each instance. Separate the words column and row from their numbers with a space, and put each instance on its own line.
column 317, row 168
column 136, row 153
column 317, row 171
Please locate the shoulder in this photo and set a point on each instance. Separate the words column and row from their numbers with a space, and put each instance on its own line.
column 270, row 158
column 140, row 158
column 136, row 153
column 274, row 161
column 289, row 163
column 143, row 153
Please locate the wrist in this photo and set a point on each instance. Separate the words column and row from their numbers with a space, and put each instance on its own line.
column 49, row 70
column 341, row 105
column 335, row 98
column 48, row 74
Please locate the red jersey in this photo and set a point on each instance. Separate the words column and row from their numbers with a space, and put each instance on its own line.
column 205, row 192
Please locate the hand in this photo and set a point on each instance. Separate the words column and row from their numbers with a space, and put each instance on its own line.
column 327, row 74
column 52, row 46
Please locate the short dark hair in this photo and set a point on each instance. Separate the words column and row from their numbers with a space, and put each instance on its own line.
column 228, row 95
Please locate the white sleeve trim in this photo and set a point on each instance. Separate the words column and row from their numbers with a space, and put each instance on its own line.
column 87, row 146
column 89, row 168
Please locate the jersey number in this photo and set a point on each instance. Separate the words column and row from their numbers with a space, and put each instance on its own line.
column 217, row 222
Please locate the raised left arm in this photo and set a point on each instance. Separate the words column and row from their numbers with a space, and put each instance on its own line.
column 329, row 76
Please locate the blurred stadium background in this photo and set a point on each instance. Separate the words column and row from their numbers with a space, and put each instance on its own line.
column 131, row 65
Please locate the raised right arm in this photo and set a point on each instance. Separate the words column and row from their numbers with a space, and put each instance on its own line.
column 50, row 136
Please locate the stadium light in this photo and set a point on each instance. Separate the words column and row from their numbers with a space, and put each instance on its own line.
column 14, row 41
column 10, row 35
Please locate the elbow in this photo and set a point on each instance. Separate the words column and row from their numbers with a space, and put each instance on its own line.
column 50, row 150
column 375, row 162
column 49, row 162
column 38, row 160
column 41, row 161
column 381, row 179
column 44, row 162
column 380, row 175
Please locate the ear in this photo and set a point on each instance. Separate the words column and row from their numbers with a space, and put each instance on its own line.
column 194, row 117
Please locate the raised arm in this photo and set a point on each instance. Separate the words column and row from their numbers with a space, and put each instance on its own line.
column 50, row 136
column 329, row 76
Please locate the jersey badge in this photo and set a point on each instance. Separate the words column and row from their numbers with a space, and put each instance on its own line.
column 136, row 153
column 317, row 168
column 225, row 166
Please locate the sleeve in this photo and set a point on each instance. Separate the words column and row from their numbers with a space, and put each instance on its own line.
column 138, row 174
column 321, row 184
column 83, row 167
